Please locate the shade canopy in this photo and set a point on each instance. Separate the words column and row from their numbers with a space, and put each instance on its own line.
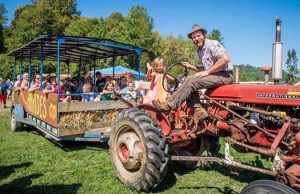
column 119, row 71
column 73, row 49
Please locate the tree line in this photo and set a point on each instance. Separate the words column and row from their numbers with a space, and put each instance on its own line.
column 61, row 17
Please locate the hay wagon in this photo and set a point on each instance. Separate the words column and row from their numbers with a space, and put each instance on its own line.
column 75, row 120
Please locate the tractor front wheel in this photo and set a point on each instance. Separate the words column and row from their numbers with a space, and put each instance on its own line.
column 267, row 186
column 138, row 150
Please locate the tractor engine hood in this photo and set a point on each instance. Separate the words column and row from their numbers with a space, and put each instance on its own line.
column 285, row 95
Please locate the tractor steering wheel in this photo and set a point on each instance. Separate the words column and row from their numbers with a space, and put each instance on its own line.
column 173, row 77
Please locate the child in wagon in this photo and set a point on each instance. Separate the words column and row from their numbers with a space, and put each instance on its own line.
column 107, row 93
column 87, row 94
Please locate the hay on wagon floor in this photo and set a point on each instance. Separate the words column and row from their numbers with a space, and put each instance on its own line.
column 87, row 120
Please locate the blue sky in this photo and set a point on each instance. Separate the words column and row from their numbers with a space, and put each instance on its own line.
column 248, row 27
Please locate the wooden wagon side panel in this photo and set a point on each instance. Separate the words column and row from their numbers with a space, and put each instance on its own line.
column 39, row 105
column 80, row 117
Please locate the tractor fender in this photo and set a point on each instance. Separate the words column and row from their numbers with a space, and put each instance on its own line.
column 19, row 111
column 159, row 117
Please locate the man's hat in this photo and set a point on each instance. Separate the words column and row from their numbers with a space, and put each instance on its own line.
column 196, row 28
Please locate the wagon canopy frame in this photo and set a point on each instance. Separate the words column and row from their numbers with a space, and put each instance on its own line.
column 73, row 49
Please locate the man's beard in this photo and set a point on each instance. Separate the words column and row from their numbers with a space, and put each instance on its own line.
column 200, row 44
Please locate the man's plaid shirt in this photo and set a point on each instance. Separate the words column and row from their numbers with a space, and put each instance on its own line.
column 210, row 53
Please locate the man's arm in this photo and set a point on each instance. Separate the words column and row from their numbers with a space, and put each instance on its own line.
column 220, row 63
column 192, row 67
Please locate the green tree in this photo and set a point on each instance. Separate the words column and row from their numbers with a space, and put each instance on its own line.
column 292, row 69
column 81, row 26
column 2, row 24
column 42, row 17
column 138, row 32
column 216, row 35
column 250, row 73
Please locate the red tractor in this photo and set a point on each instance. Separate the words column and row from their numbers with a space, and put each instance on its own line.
column 263, row 119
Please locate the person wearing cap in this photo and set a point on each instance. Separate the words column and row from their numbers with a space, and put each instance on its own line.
column 216, row 70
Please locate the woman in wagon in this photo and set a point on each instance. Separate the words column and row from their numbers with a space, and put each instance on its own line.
column 17, row 84
column 25, row 83
column 51, row 84
column 62, row 90
column 108, row 79
column 89, row 80
column 36, row 83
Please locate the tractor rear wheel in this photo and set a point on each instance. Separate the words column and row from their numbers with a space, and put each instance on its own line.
column 267, row 186
column 138, row 150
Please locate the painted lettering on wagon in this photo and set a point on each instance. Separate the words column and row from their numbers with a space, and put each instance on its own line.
column 36, row 104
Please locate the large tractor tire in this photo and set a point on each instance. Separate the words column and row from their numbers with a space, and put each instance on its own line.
column 138, row 149
column 267, row 186
column 14, row 124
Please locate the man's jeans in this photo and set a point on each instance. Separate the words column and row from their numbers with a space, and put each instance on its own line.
column 188, row 91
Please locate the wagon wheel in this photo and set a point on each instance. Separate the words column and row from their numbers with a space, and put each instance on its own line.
column 14, row 124
column 267, row 186
column 173, row 76
column 138, row 150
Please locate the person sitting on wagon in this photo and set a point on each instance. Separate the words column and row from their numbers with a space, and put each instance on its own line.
column 108, row 79
column 89, row 80
column 123, row 82
column 25, row 83
column 62, row 90
column 50, row 85
column 36, row 83
column 75, row 84
column 100, row 82
column 129, row 93
column 108, row 90
column 87, row 94
column 17, row 84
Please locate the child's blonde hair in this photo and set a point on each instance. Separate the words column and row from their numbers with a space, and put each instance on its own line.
column 158, row 61
column 87, row 87
column 107, row 83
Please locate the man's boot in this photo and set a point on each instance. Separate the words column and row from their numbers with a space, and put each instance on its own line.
column 162, row 106
column 200, row 114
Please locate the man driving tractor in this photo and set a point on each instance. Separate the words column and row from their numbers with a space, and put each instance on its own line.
column 216, row 70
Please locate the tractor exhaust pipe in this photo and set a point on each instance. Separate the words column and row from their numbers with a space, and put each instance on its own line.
column 277, row 54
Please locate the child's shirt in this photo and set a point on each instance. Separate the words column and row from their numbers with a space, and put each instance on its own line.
column 156, row 91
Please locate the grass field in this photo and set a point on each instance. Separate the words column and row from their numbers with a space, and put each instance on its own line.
column 30, row 163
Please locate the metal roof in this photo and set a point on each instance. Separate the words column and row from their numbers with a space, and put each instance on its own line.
column 73, row 49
